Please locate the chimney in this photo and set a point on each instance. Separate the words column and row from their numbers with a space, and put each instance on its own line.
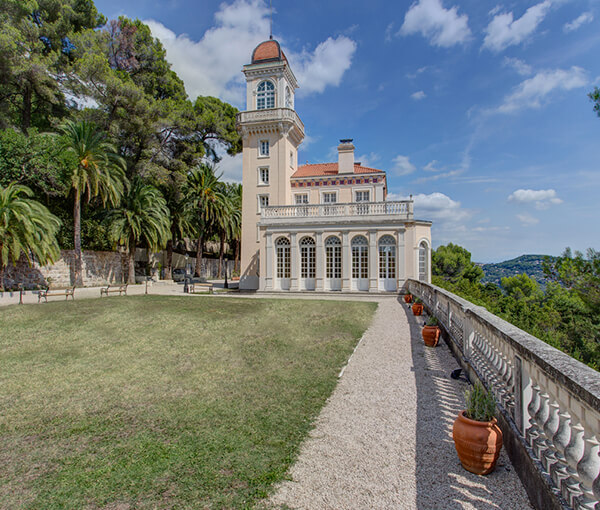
column 346, row 156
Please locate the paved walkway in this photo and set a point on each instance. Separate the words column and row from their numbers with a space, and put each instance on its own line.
column 384, row 439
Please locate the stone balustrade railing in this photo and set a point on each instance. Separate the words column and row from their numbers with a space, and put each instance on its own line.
column 552, row 400
column 270, row 114
column 400, row 208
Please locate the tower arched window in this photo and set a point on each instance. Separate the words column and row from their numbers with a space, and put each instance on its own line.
column 423, row 261
column 265, row 95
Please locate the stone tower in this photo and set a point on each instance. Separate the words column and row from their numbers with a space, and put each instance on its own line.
column 271, row 132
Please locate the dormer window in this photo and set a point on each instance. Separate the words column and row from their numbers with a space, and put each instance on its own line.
column 265, row 97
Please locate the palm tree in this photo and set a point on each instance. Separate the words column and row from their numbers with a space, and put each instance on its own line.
column 26, row 228
column 142, row 218
column 236, row 232
column 182, row 224
column 206, row 192
column 99, row 172
column 229, row 219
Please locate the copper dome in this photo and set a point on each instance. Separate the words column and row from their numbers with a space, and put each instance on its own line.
column 267, row 51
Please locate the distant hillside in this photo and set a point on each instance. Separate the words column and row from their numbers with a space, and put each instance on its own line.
column 531, row 265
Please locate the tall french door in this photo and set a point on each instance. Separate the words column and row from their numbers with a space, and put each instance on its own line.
column 387, row 264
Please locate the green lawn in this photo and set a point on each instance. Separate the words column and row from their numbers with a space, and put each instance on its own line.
column 163, row 402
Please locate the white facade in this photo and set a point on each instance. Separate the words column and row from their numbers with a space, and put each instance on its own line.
column 324, row 227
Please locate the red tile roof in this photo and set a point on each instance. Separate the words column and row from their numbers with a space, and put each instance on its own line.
column 267, row 51
column 323, row 169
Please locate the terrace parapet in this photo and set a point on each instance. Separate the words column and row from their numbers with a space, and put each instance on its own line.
column 549, row 402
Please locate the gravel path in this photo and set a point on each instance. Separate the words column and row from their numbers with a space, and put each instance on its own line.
column 384, row 439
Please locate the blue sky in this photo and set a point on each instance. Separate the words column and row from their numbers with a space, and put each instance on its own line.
column 477, row 109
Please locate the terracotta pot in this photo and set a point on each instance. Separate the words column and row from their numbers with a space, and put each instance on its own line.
column 417, row 308
column 407, row 298
column 478, row 443
column 431, row 335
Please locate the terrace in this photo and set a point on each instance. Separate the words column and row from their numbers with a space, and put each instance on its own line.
column 383, row 440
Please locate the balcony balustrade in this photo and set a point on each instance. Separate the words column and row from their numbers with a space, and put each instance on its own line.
column 398, row 210
column 549, row 398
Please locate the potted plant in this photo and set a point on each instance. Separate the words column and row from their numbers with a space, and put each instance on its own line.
column 417, row 307
column 431, row 332
column 408, row 297
column 477, row 437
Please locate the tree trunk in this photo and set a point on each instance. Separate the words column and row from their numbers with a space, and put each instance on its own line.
column 1, row 277
column 78, row 278
column 237, row 256
column 221, row 252
column 26, row 113
column 169, row 262
column 198, row 270
column 131, row 257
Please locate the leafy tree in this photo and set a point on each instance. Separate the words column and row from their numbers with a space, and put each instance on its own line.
column 98, row 172
column 579, row 273
column 229, row 219
column 206, row 192
column 35, row 57
column 520, row 287
column 453, row 263
column 142, row 218
column 27, row 229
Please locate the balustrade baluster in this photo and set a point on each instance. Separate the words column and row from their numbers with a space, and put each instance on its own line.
column 570, row 486
column 539, row 443
column 558, row 470
column 534, row 405
column 588, row 469
column 550, row 428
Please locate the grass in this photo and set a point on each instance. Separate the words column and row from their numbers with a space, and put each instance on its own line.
column 163, row 402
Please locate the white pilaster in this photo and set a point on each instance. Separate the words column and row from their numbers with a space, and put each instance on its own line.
column 320, row 263
column 294, row 262
column 346, row 262
column 269, row 273
column 401, row 259
column 373, row 261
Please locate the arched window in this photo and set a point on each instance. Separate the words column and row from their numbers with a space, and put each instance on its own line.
column 423, row 261
column 387, row 257
column 360, row 257
column 333, row 257
column 283, row 257
column 265, row 97
column 307, row 257
column 288, row 98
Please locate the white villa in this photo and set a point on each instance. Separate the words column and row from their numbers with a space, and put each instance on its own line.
column 317, row 227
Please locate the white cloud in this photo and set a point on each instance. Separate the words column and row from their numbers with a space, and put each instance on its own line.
column 586, row 17
column 212, row 65
column 430, row 167
column 531, row 92
column 541, row 199
column 504, row 31
column 389, row 32
column 417, row 96
column 230, row 167
column 439, row 208
column 367, row 160
column 518, row 65
column 442, row 27
column 323, row 67
column 402, row 165
column 527, row 220
column 412, row 76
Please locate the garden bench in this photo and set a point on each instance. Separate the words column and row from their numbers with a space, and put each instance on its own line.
column 121, row 289
column 48, row 292
column 207, row 285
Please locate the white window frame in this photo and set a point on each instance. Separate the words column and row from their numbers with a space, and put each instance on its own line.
column 332, row 192
column 298, row 195
column 262, row 154
column 259, row 201
column 356, row 191
column 266, row 95
column 261, row 181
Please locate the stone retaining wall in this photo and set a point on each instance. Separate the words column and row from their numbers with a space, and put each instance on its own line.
column 99, row 268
